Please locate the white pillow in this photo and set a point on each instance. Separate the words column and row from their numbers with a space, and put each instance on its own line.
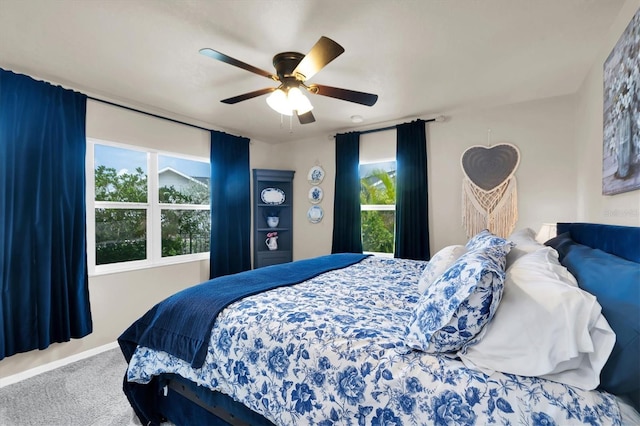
column 439, row 263
column 544, row 326
column 524, row 236
column 525, row 242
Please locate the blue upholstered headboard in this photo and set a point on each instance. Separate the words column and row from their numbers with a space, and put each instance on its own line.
column 605, row 259
column 623, row 241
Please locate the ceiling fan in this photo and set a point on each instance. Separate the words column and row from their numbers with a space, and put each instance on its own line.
column 293, row 69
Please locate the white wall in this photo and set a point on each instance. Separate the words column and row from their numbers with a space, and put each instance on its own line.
column 621, row 209
column 309, row 240
column 542, row 130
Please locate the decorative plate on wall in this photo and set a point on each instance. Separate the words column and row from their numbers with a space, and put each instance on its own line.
column 315, row 214
column 272, row 196
column 316, row 175
column 315, row 194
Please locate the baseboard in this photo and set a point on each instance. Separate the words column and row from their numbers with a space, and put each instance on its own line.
column 9, row 380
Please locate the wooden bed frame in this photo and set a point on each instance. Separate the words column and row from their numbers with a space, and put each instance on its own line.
column 185, row 401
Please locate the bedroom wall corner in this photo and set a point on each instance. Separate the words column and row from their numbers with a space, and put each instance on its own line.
column 592, row 206
column 309, row 240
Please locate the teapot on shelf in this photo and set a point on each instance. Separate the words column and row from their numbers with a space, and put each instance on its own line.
column 272, row 241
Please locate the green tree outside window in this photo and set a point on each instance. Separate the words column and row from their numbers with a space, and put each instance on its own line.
column 378, row 187
column 121, row 233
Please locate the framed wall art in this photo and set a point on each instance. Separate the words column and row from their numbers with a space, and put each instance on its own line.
column 621, row 129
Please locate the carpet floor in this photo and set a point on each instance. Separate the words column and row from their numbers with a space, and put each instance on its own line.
column 86, row 392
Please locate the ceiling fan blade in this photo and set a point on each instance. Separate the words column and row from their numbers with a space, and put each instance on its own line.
column 231, row 61
column 306, row 118
column 363, row 98
column 324, row 51
column 249, row 95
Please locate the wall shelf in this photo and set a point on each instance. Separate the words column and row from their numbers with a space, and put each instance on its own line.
column 282, row 180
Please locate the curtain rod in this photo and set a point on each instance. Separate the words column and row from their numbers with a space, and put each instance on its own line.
column 148, row 113
column 439, row 118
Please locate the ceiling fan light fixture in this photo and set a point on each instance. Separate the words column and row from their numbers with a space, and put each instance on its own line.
column 298, row 101
column 279, row 102
column 293, row 69
column 286, row 103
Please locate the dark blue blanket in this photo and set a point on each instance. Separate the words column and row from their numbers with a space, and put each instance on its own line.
column 181, row 324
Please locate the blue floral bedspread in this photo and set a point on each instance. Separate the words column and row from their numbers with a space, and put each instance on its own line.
column 330, row 351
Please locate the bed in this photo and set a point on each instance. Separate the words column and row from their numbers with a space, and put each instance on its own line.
column 469, row 338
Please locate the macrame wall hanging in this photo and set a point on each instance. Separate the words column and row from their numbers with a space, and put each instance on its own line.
column 489, row 193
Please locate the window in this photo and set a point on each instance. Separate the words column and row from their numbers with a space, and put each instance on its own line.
column 183, row 192
column 144, row 207
column 378, row 206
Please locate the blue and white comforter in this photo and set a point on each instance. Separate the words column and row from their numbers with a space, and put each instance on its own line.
column 330, row 351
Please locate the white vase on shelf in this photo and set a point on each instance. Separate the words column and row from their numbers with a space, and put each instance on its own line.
column 272, row 243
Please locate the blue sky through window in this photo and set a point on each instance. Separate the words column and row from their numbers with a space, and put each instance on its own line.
column 367, row 168
column 188, row 167
column 127, row 160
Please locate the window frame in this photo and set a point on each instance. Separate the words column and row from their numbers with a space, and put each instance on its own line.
column 379, row 207
column 152, row 207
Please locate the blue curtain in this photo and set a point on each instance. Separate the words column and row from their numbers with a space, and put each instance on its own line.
column 347, row 232
column 44, row 295
column 230, row 205
column 412, row 229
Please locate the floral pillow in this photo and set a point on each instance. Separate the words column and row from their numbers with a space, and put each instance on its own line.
column 439, row 263
column 455, row 308
column 484, row 239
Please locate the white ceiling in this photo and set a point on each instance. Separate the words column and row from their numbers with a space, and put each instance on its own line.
column 421, row 57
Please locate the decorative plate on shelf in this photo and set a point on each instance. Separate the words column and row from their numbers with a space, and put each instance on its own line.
column 315, row 194
column 272, row 196
column 315, row 214
column 315, row 176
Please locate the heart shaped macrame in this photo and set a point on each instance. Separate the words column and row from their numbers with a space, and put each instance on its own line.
column 489, row 195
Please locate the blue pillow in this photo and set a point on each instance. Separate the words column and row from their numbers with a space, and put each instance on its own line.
column 561, row 243
column 616, row 284
column 455, row 308
column 484, row 239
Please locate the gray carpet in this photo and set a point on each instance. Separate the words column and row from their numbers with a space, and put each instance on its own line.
column 86, row 392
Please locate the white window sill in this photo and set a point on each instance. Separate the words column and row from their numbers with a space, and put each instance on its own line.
column 117, row 268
